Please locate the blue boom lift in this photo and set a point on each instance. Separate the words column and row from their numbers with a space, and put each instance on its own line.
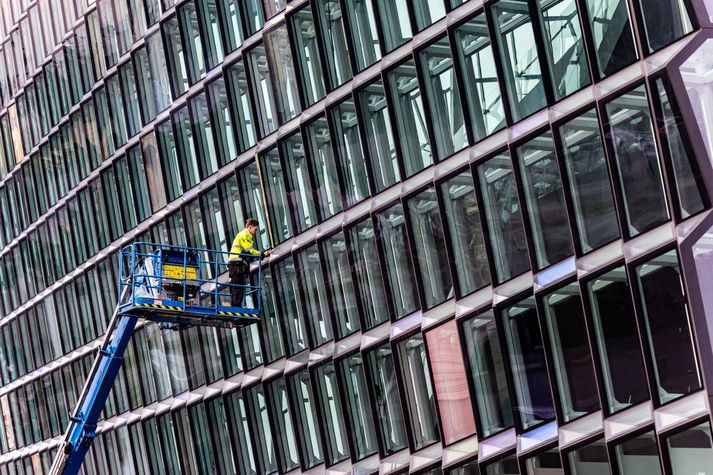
column 175, row 286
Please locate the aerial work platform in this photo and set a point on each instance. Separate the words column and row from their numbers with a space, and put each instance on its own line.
column 175, row 286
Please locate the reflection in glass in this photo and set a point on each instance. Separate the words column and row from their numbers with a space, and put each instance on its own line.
column 546, row 209
column 385, row 392
column 503, row 217
column 688, row 191
column 589, row 185
column 395, row 22
column 283, row 428
column 241, row 112
column 262, row 90
column 288, row 294
column 466, row 233
column 397, row 253
column 482, row 94
column 410, row 118
column 305, row 44
column 613, row 39
column 691, row 451
column 631, row 133
column 443, row 97
column 351, row 157
column 326, row 181
column 665, row 21
column 667, row 327
column 336, row 52
column 527, row 363
column 276, row 195
column 379, row 136
column 548, row 462
column 572, row 358
column 521, row 63
column 565, row 46
column 427, row 12
column 306, row 419
column 357, row 410
column 362, row 26
column 282, row 73
column 430, row 245
column 487, row 370
column 330, row 407
column 617, row 340
column 299, row 183
column 340, row 281
column 261, row 432
column 592, row 459
column 311, row 281
column 451, row 384
column 639, row 455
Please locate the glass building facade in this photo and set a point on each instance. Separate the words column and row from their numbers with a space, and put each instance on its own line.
column 491, row 229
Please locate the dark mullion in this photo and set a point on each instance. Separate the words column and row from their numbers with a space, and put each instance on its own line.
column 588, row 38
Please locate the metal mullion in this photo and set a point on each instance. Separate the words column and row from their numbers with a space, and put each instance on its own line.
column 375, row 4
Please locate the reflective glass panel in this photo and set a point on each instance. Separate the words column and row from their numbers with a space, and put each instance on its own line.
column 350, row 153
column 362, row 27
column 299, row 183
column 665, row 21
column 639, row 455
column 505, row 466
column 306, row 419
column 592, row 459
column 545, row 463
column 395, row 22
column 334, row 40
column 330, row 406
column 691, row 451
column 611, row 30
column 305, row 44
column 326, row 175
column 358, row 411
column 340, row 282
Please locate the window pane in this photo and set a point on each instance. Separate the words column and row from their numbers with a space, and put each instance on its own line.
column 506, row 466
column 311, row 281
column 487, row 370
column 591, row 459
column 261, row 432
column 548, row 462
column 358, row 410
column 276, row 194
column 427, row 12
column 339, row 280
column 572, row 358
column 299, row 182
column 443, row 98
column 319, row 141
column 545, row 201
column 691, row 451
column 637, row 161
column 686, row 179
column 329, row 14
column 279, row 59
column 451, row 385
column 204, row 142
column 210, row 31
column 352, row 161
column 613, row 39
column 410, row 118
column 667, row 327
column 395, row 22
column 186, row 148
column 330, row 407
column 527, row 363
column 261, row 82
column 618, row 341
column 367, row 272
column 193, row 42
column 282, row 420
column 565, row 46
column 243, row 123
column 230, row 19
column 362, row 26
column 306, row 419
column 389, row 414
column 224, row 124
column 504, row 218
column 589, row 185
column 466, row 233
column 639, row 455
column 288, row 293
column 308, row 59
column 430, row 245
column 664, row 22
column 520, row 58
column 399, row 266
column 379, row 136
column 176, row 56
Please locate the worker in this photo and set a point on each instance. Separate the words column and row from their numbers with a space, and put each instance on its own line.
column 239, row 263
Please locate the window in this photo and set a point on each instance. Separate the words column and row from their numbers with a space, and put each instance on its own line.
column 569, row 347
column 430, row 245
column 282, row 73
column 546, row 208
column 242, row 119
column 415, row 146
column 249, row 184
column 203, row 140
column 340, row 284
column 519, row 56
column 384, row 387
column 350, row 154
column 231, row 18
column 186, row 148
column 379, row 136
column 367, row 272
column 176, row 56
column 664, row 22
column 330, row 20
column 503, row 217
column 330, row 407
column 428, row 12
column 638, row 454
column 208, row 16
column 591, row 459
column 589, row 185
column 219, row 104
column 446, row 112
column 291, row 312
column 262, row 433
column 451, row 385
column 358, row 411
column 548, row 462
column 326, row 179
column 487, row 372
column 306, row 419
column 661, row 293
column 505, row 466
column 131, row 98
column 282, row 421
column 362, row 28
column 617, row 340
column 308, row 58
column 399, row 266
column 277, row 195
column 193, row 43
column 564, row 44
column 611, row 31
column 527, row 364
column 299, row 182
column 311, row 282
column 691, row 450
column 395, row 24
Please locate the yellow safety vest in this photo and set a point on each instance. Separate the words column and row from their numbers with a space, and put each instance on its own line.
column 243, row 244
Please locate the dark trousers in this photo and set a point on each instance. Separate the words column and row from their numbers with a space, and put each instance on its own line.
column 238, row 272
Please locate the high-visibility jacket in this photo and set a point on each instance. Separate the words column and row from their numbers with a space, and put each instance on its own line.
column 243, row 243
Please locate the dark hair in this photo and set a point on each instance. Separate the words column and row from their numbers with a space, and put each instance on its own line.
column 251, row 222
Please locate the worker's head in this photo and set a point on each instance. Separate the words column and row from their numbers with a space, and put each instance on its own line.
column 251, row 225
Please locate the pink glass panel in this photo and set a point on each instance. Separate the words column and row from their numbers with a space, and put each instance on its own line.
column 451, row 385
